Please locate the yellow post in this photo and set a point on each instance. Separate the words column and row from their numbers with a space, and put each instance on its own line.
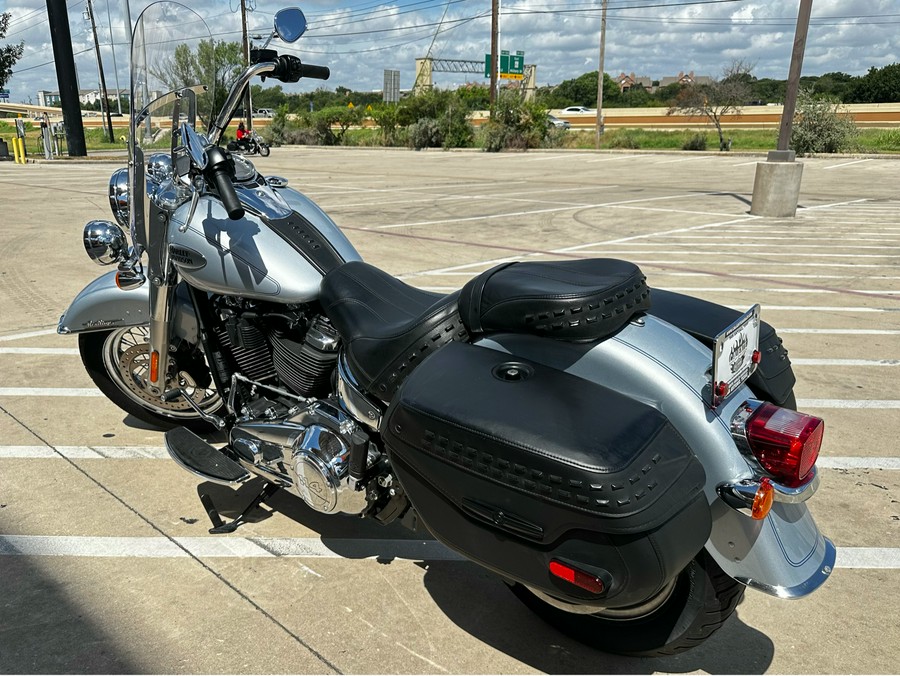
column 17, row 154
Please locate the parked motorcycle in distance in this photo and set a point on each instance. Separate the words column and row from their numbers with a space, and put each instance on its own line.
column 628, row 461
column 251, row 144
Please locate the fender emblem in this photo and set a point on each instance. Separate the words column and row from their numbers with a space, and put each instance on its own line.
column 101, row 323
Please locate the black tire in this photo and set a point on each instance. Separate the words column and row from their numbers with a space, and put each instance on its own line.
column 115, row 360
column 264, row 150
column 702, row 599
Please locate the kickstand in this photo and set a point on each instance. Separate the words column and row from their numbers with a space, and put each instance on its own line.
column 219, row 526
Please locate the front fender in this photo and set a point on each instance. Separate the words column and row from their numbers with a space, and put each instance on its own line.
column 102, row 306
column 650, row 360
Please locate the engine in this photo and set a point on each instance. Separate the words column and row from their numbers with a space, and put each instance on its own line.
column 309, row 453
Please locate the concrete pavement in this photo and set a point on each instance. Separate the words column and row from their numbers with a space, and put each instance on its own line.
column 105, row 561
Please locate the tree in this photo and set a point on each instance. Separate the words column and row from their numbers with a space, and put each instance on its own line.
column 718, row 98
column 216, row 64
column 879, row 85
column 8, row 54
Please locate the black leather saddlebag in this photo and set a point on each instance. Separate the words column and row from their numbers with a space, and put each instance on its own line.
column 515, row 464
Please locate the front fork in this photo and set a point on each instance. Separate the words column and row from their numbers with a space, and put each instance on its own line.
column 161, row 294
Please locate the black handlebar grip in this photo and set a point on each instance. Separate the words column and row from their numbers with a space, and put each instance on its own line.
column 315, row 72
column 219, row 169
column 228, row 194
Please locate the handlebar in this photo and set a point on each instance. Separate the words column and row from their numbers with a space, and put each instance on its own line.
column 290, row 69
column 286, row 68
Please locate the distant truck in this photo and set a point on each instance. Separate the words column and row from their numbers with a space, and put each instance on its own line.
column 264, row 112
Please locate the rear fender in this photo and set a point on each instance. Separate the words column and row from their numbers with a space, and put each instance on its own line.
column 102, row 306
column 655, row 362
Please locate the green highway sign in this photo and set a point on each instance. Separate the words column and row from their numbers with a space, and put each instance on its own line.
column 512, row 66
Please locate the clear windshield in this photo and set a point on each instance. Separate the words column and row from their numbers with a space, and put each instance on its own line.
column 172, row 50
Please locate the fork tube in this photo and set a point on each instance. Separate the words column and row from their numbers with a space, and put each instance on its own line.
column 160, row 320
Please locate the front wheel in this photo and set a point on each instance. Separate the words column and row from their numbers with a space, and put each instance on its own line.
column 264, row 150
column 686, row 613
column 119, row 362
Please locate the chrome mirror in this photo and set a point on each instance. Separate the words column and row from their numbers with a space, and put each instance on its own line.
column 290, row 24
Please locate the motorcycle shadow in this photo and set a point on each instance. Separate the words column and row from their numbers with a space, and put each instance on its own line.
column 499, row 619
column 504, row 623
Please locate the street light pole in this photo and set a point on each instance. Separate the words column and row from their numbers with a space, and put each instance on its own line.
column 248, row 98
column 104, row 100
column 600, row 72
column 495, row 62
column 793, row 83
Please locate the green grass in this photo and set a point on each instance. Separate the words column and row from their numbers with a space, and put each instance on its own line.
column 755, row 140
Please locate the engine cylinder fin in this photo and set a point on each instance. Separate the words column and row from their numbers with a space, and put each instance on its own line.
column 254, row 357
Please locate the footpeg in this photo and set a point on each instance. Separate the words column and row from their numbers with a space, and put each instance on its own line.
column 198, row 457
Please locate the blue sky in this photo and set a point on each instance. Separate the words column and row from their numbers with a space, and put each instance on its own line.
column 358, row 39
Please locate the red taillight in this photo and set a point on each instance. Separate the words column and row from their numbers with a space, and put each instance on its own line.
column 579, row 578
column 785, row 442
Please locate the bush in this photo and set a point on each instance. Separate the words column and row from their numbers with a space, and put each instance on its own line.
column 625, row 141
column 695, row 142
column 425, row 133
column 819, row 127
column 517, row 125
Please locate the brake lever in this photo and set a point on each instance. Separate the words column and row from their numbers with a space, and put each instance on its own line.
column 198, row 185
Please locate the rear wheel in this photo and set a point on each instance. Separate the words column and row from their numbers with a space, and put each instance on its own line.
column 682, row 616
column 118, row 362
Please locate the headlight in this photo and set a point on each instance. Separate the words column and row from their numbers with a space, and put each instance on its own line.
column 118, row 196
column 159, row 168
column 105, row 242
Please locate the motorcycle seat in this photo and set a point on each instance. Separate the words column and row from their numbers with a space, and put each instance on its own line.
column 389, row 327
column 579, row 300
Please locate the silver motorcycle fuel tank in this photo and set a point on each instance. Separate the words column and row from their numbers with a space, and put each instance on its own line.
column 279, row 251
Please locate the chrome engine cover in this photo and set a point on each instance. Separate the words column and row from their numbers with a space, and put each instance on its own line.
column 308, row 453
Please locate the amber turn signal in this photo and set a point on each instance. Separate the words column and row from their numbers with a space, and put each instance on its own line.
column 762, row 501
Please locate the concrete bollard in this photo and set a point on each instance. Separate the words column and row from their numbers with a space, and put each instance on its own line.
column 776, row 189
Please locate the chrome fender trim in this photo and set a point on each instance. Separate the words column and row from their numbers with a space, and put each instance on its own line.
column 740, row 495
column 801, row 589
column 102, row 305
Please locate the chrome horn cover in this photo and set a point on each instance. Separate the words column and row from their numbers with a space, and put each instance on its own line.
column 118, row 196
column 105, row 242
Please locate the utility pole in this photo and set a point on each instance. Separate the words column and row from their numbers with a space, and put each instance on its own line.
column 104, row 101
column 600, row 73
column 66, row 77
column 793, row 82
column 495, row 55
column 112, row 46
column 248, row 99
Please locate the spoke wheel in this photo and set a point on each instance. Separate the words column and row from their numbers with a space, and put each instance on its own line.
column 119, row 364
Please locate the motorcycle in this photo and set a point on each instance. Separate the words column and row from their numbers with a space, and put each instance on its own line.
column 251, row 144
column 628, row 461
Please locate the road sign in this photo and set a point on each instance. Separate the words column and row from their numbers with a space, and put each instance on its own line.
column 512, row 66
column 4, row 93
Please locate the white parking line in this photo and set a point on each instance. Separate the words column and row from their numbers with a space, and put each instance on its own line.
column 847, row 164
column 39, row 350
column 849, row 403
column 844, row 332
column 160, row 453
column 86, row 452
column 233, row 547
column 817, row 308
column 49, row 392
column 845, row 362
column 28, row 334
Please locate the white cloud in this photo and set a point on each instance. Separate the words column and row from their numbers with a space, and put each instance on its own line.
column 653, row 41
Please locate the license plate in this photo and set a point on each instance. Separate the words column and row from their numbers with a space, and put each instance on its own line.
column 735, row 355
